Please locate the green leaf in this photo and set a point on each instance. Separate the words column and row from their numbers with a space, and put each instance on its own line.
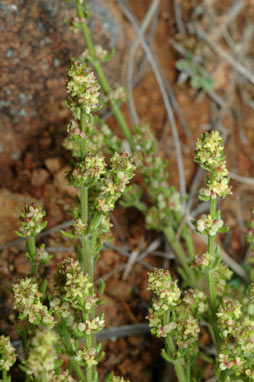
column 43, row 286
column 196, row 82
column 182, row 64
column 20, row 234
column 101, row 287
column 208, row 84
column 43, row 225
column 166, row 356
column 68, row 234
column 109, row 55
column 109, row 377
column 223, row 230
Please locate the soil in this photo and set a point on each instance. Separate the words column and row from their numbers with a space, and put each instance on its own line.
column 36, row 47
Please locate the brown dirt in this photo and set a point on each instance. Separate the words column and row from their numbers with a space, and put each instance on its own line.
column 32, row 125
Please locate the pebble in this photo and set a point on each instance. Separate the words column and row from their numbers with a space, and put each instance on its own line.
column 39, row 177
column 53, row 164
column 9, row 53
column 61, row 183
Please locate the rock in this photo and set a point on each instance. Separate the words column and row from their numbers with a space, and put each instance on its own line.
column 22, row 265
column 38, row 37
column 39, row 177
column 11, row 205
column 61, row 183
column 53, row 164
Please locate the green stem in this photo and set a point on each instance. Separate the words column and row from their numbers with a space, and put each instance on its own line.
column 101, row 76
column 44, row 377
column 66, row 338
column 212, row 293
column 31, row 249
column 186, row 235
column 170, row 346
column 83, row 128
column 86, row 258
column 5, row 378
column 211, row 247
column 177, row 248
column 77, row 369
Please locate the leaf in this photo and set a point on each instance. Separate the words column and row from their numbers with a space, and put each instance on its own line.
column 196, row 82
column 101, row 287
column 43, row 225
column 43, row 286
column 109, row 55
column 208, row 84
column 166, row 356
column 223, row 230
column 182, row 64
column 68, row 234
column 20, row 234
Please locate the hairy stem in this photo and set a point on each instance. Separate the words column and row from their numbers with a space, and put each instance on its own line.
column 170, row 346
column 4, row 374
column 211, row 247
column 186, row 235
column 101, row 76
column 31, row 249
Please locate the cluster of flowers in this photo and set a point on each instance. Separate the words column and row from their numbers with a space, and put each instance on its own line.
column 83, row 86
column 42, row 353
column 41, row 256
column 206, row 262
column 27, row 299
column 31, row 220
column 74, row 287
column 7, row 353
column 210, row 155
column 114, row 183
column 168, row 201
column 118, row 94
column 96, row 138
column 89, row 356
column 100, row 53
column 206, row 225
column 64, row 376
column 149, row 163
column 236, row 352
column 250, row 233
column 172, row 316
column 87, row 171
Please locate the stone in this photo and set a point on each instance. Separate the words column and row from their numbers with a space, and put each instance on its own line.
column 61, row 183
column 53, row 164
column 39, row 177
column 11, row 205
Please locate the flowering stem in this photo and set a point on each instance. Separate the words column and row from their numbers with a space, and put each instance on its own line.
column 66, row 338
column 186, row 234
column 170, row 346
column 177, row 248
column 211, row 245
column 77, row 369
column 44, row 377
column 100, row 73
column 5, row 378
column 31, row 249
column 85, row 260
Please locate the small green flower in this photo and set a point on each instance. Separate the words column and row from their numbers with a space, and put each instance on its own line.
column 31, row 220
column 42, row 353
column 83, row 86
column 7, row 353
column 27, row 299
